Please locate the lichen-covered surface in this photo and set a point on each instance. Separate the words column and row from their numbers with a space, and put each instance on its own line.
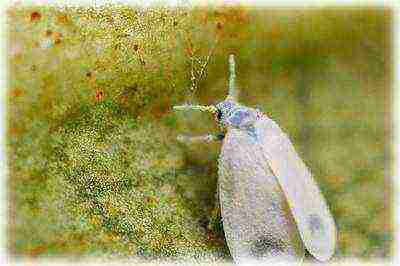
column 94, row 165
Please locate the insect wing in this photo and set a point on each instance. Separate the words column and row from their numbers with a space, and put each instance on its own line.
column 310, row 211
column 257, row 220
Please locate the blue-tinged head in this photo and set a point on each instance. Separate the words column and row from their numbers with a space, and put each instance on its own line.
column 230, row 113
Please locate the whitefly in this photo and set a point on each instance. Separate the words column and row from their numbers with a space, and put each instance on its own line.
column 271, row 207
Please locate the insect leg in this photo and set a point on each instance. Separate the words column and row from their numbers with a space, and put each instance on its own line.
column 202, row 138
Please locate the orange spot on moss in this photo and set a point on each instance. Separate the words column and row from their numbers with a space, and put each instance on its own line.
column 37, row 250
column 219, row 25
column 189, row 51
column 276, row 32
column 14, row 131
column 243, row 16
column 56, row 36
column 99, row 94
column 161, row 108
column 35, row 16
column 17, row 92
column 62, row 18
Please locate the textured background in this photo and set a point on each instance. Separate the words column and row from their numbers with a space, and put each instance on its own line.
column 94, row 165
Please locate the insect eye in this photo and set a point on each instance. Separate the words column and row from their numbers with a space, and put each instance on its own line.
column 218, row 115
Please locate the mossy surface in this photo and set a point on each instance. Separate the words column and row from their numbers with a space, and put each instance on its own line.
column 94, row 165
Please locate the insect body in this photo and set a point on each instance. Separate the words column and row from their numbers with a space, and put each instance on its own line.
column 271, row 207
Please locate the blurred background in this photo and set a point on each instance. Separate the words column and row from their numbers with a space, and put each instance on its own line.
column 94, row 165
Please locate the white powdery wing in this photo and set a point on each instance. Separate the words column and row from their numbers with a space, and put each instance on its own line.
column 257, row 220
column 310, row 211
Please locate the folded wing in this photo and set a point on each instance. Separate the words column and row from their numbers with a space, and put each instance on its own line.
column 257, row 221
column 308, row 206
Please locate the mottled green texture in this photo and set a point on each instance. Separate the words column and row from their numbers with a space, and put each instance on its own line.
column 94, row 165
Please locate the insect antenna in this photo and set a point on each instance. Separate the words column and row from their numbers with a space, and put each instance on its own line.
column 202, row 108
column 232, row 95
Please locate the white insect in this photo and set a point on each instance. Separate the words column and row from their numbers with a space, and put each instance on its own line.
column 270, row 204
